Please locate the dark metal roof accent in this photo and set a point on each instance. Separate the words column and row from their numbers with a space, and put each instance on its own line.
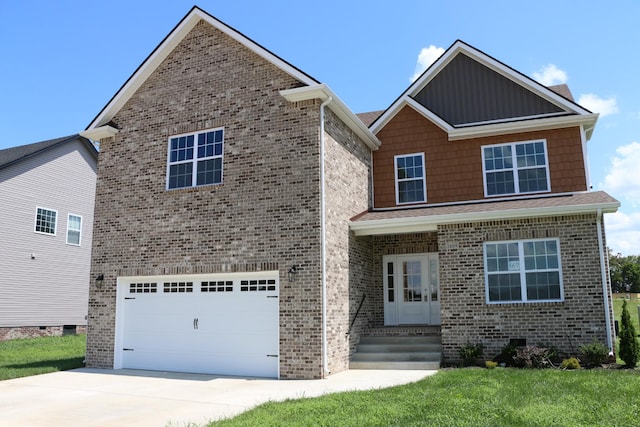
column 466, row 91
column 12, row 155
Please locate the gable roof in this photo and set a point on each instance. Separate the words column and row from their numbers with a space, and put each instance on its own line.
column 10, row 156
column 312, row 89
column 169, row 43
column 468, row 93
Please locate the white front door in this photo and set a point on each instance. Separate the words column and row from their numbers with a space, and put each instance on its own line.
column 412, row 289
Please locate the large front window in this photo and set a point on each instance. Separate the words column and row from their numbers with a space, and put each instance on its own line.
column 410, row 179
column 523, row 271
column 195, row 159
column 515, row 168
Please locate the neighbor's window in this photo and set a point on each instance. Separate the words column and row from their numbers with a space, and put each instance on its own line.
column 523, row 271
column 515, row 168
column 410, row 179
column 195, row 159
column 46, row 221
column 74, row 229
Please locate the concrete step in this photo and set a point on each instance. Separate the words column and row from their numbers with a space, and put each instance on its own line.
column 428, row 339
column 388, row 348
column 386, row 365
column 397, row 357
column 397, row 352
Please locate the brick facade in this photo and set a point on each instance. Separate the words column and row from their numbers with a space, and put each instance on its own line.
column 266, row 214
column 466, row 317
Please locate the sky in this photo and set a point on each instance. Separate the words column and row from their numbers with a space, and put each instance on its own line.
column 62, row 62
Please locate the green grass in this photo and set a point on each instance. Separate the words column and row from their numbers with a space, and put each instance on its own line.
column 632, row 306
column 470, row 397
column 34, row 356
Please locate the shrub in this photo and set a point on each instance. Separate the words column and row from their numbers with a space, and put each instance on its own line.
column 570, row 363
column 507, row 354
column 490, row 364
column 470, row 353
column 629, row 351
column 594, row 354
column 532, row 356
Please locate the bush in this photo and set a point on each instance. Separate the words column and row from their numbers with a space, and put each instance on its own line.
column 490, row 364
column 507, row 354
column 570, row 363
column 470, row 353
column 594, row 354
column 532, row 356
column 629, row 351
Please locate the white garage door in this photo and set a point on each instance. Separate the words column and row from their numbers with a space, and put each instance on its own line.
column 203, row 324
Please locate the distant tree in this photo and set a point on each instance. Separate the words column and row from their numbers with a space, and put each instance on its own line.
column 629, row 349
column 624, row 272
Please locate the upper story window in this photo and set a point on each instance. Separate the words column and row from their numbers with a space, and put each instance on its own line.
column 515, row 168
column 411, row 184
column 523, row 271
column 46, row 220
column 195, row 159
column 74, row 229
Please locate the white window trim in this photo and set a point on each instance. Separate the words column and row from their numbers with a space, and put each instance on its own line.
column 424, row 178
column 194, row 161
column 523, row 271
column 55, row 225
column 515, row 168
column 70, row 229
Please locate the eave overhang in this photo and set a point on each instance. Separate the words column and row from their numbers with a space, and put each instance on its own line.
column 323, row 93
column 420, row 221
column 96, row 134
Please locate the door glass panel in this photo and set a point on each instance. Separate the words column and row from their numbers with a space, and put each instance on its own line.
column 433, row 279
column 412, row 281
column 390, row 284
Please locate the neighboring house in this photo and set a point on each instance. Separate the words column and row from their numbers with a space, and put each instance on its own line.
column 248, row 223
column 47, row 190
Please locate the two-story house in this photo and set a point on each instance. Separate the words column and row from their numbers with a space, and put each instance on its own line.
column 248, row 223
column 47, row 190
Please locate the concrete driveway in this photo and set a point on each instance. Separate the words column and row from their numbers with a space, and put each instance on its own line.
column 102, row 397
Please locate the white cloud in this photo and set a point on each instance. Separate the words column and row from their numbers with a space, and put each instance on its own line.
column 426, row 57
column 623, row 182
column 623, row 178
column 596, row 104
column 623, row 232
column 550, row 75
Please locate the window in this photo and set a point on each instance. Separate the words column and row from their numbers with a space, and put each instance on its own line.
column 410, row 179
column 523, row 271
column 515, row 168
column 46, row 221
column 195, row 159
column 74, row 228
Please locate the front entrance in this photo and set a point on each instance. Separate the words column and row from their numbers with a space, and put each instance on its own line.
column 412, row 289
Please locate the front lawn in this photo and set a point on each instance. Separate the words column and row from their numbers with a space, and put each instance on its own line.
column 470, row 397
column 25, row 357
column 632, row 306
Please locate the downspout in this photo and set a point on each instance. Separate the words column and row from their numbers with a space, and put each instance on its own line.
column 605, row 288
column 323, row 236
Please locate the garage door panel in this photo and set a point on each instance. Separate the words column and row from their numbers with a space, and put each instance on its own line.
column 204, row 330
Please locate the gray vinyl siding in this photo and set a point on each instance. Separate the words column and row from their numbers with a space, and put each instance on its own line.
column 469, row 92
column 51, row 289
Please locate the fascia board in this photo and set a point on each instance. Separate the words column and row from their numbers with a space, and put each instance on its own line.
column 323, row 92
column 421, row 224
column 99, row 133
column 588, row 121
column 166, row 47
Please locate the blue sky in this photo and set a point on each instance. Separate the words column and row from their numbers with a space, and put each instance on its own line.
column 63, row 61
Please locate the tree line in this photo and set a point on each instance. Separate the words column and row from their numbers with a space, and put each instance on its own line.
column 624, row 272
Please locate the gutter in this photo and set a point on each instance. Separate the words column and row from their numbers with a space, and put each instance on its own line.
column 323, row 232
column 605, row 287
